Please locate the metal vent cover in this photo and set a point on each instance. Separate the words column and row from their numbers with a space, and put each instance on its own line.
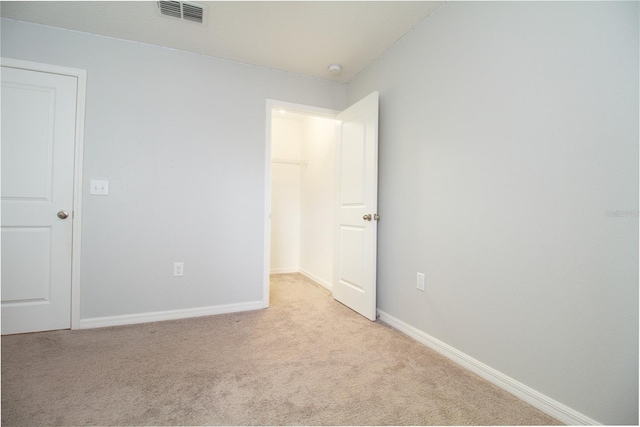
column 186, row 11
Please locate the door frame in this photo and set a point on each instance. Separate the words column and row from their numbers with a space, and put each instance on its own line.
column 294, row 108
column 76, row 242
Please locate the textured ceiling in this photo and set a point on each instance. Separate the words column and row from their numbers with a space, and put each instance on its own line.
column 297, row 37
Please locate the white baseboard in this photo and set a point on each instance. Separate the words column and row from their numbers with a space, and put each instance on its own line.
column 284, row 270
column 536, row 399
column 316, row 279
column 158, row 316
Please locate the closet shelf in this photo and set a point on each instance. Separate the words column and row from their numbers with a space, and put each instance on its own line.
column 288, row 161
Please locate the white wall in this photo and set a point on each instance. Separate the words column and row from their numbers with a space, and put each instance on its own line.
column 317, row 199
column 286, row 144
column 509, row 176
column 181, row 139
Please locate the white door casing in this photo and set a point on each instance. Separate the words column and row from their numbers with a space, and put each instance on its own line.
column 42, row 113
column 356, row 216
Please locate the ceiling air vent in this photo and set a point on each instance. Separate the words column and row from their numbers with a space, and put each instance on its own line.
column 184, row 10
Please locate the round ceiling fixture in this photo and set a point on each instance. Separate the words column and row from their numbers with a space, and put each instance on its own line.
column 335, row 68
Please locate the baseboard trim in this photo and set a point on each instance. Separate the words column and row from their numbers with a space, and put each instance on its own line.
column 285, row 270
column 158, row 316
column 316, row 279
column 536, row 399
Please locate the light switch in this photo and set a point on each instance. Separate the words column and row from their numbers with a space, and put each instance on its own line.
column 99, row 187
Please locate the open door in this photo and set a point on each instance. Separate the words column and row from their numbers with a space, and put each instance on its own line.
column 356, row 217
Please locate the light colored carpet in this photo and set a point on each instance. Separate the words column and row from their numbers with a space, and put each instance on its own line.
column 307, row 360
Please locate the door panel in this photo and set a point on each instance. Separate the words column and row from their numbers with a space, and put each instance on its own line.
column 38, row 142
column 355, row 257
column 30, row 108
column 32, row 284
column 352, row 165
column 351, row 246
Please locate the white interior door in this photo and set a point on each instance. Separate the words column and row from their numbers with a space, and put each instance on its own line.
column 38, row 138
column 354, row 281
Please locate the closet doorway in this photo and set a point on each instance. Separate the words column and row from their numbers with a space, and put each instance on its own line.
column 302, row 199
column 321, row 198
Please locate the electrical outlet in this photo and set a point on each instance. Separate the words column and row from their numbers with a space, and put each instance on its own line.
column 420, row 281
column 178, row 269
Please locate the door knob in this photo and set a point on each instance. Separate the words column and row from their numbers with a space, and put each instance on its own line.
column 63, row 214
column 366, row 217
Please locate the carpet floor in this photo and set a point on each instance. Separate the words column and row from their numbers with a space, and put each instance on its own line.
column 307, row 360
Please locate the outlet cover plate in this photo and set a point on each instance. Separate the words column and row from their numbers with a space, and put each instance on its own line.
column 178, row 269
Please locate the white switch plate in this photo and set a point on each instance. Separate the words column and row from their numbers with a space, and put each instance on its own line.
column 99, row 187
column 420, row 281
